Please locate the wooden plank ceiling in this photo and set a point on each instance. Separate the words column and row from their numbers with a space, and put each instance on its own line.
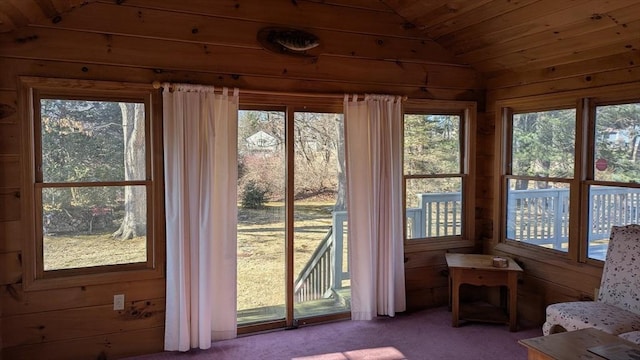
column 490, row 35
column 523, row 35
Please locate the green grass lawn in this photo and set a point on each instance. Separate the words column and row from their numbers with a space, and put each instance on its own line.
column 83, row 250
column 261, row 249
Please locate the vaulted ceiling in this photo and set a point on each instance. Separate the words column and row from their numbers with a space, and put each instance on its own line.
column 490, row 35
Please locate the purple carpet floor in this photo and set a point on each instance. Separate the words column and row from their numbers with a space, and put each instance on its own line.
column 423, row 335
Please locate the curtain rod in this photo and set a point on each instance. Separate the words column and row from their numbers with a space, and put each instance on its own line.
column 158, row 85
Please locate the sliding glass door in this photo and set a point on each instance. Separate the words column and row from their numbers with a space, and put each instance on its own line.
column 292, row 244
column 261, row 216
column 321, row 284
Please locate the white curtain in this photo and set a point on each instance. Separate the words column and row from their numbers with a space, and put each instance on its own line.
column 373, row 148
column 200, row 136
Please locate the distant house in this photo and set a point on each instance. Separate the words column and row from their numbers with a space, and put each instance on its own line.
column 262, row 142
column 620, row 136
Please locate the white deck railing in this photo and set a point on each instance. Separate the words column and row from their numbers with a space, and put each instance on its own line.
column 539, row 216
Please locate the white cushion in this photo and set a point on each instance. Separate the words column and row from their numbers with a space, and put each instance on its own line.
column 620, row 285
column 617, row 309
column 590, row 314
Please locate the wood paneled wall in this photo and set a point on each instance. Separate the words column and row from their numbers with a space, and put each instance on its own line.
column 547, row 280
column 211, row 42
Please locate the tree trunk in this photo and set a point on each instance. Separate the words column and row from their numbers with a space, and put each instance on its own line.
column 134, row 223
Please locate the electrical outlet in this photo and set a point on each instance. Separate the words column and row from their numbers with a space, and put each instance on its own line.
column 118, row 302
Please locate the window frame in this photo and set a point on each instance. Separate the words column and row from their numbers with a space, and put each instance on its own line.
column 591, row 104
column 504, row 118
column 467, row 110
column 507, row 120
column 585, row 106
column 31, row 91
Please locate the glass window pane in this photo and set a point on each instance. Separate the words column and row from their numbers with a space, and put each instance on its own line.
column 261, row 216
column 321, row 268
column 89, row 141
column 617, row 143
column 610, row 206
column 434, row 207
column 92, row 226
column 431, row 144
column 538, row 213
column 544, row 143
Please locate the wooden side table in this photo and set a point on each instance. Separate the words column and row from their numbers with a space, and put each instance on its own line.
column 477, row 269
column 574, row 345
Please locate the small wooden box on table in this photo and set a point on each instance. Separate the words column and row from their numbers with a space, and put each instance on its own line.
column 478, row 270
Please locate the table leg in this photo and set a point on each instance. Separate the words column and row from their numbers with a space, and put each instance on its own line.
column 455, row 298
column 449, row 279
column 537, row 355
column 513, row 301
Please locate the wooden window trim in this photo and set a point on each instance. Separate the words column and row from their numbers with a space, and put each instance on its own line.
column 584, row 101
column 503, row 172
column 34, row 277
column 468, row 112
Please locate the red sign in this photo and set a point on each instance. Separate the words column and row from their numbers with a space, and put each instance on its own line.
column 601, row 164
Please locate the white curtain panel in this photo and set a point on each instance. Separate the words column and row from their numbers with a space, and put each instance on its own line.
column 373, row 145
column 200, row 136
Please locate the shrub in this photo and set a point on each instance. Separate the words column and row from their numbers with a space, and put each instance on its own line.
column 253, row 196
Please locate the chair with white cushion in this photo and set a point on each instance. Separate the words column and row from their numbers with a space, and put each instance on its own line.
column 617, row 308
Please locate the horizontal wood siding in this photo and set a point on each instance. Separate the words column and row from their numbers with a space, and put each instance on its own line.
column 206, row 42
column 16, row 301
column 106, row 346
column 11, row 235
column 197, row 28
column 82, row 322
column 426, row 278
